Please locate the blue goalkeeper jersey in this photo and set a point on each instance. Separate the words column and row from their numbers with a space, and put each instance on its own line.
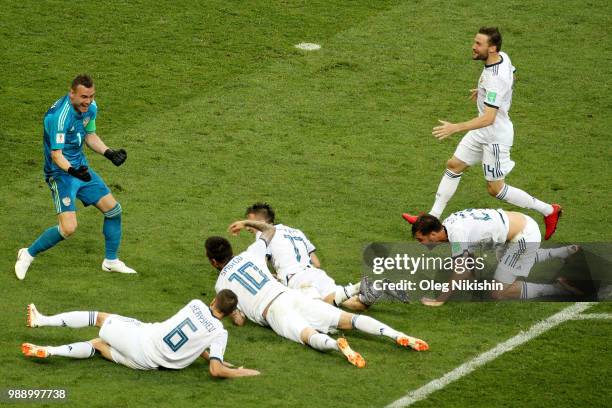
column 65, row 129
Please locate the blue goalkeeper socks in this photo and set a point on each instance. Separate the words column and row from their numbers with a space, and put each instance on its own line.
column 46, row 240
column 112, row 231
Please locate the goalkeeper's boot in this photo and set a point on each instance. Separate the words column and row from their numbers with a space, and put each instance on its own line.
column 32, row 316
column 24, row 259
column 410, row 218
column 351, row 355
column 32, row 350
column 115, row 265
column 551, row 221
column 412, row 342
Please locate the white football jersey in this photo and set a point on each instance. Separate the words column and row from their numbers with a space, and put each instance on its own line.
column 289, row 251
column 248, row 276
column 470, row 229
column 495, row 90
column 180, row 340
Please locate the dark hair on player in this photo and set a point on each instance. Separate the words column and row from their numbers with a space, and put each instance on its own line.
column 494, row 35
column 426, row 224
column 226, row 301
column 219, row 249
column 263, row 209
column 82, row 79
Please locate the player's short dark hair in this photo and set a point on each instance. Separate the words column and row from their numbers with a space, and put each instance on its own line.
column 227, row 301
column 494, row 35
column 219, row 249
column 263, row 209
column 426, row 224
column 82, row 79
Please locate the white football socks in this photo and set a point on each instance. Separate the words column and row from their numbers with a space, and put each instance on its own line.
column 521, row 199
column 561, row 252
column 83, row 349
column 345, row 292
column 446, row 190
column 73, row 320
column 372, row 326
column 535, row 290
column 322, row 342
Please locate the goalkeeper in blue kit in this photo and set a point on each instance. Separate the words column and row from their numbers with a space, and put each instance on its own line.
column 68, row 124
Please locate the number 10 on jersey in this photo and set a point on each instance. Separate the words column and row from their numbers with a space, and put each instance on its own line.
column 250, row 276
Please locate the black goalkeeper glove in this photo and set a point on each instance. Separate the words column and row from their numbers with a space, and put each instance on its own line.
column 116, row 156
column 81, row 173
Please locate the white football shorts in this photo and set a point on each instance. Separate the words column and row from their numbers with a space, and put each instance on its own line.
column 124, row 335
column 292, row 312
column 495, row 157
column 313, row 282
column 520, row 254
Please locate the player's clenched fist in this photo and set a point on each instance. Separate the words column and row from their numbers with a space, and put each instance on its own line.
column 116, row 156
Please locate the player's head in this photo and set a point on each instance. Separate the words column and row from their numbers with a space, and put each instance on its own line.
column 487, row 41
column 82, row 92
column 218, row 251
column 260, row 212
column 428, row 230
column 225, row 302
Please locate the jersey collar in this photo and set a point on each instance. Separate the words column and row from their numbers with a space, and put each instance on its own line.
column 497, row 63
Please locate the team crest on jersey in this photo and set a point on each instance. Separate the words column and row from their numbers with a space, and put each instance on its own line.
column 66, row 201
column 60, row 137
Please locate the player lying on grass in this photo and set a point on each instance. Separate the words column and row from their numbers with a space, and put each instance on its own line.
column 172, row 344
column 469, row 229
column 288, row 312
column 298, row 267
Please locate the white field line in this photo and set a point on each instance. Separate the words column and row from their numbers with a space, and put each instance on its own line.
column 464, row 369
column 588, row 316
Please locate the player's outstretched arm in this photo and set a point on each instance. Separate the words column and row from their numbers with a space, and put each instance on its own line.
column 446, row 129
column 267, row 230
column 217, row 369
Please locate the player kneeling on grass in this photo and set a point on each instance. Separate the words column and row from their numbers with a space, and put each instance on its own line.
column 298, row 267
column 468, row 229
column 288, row 312
column 172, row 344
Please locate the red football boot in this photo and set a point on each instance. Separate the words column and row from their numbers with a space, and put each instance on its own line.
column 551, row 221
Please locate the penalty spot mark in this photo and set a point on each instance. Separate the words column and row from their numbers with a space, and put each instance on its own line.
column 308, row 46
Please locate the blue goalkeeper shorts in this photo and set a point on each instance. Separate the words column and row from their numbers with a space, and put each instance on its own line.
column 65, row 189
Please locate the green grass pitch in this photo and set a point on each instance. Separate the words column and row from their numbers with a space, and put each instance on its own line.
column 217, row 109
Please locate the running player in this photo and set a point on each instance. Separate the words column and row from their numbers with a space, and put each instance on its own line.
column 196, row 330
column 489, row 136
column 265, row 301
column 68, row 124
column 469, row 229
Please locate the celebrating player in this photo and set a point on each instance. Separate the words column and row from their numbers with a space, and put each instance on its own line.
column 298, row 267
column 267, row 302
column 468, row 229
column 69, row 123
column 174, row 343
column 489, row 137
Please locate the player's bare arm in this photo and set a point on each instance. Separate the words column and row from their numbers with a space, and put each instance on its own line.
column 444, row 296
column 60, row 160
column 238, row 318
column 447, row 129
column 267, row 230
column 97, row 145
column 314, row 260
column 218, row 369
column 474, row 94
